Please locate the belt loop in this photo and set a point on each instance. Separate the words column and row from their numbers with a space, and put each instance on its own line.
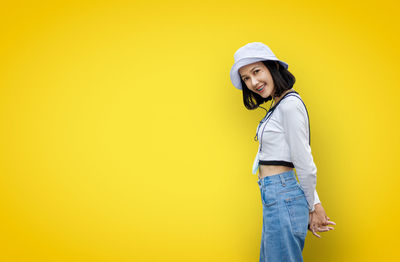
column 282, row 180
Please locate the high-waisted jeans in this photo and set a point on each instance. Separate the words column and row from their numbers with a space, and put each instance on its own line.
column 285, row 218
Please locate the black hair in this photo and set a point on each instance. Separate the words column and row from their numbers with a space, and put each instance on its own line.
column 283, row 80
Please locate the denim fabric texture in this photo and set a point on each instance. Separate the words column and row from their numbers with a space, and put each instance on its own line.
column 285, row 218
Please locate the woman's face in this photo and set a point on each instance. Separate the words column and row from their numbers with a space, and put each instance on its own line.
column 257, row 78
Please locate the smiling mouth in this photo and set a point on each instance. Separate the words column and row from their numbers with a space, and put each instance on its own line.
column 261, row 88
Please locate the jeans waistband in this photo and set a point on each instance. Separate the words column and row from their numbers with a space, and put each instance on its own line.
column 278, row 178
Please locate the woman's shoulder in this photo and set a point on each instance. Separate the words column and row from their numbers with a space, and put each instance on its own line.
column 292, row 102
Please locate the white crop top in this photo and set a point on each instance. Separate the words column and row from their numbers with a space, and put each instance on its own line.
column 284, row 137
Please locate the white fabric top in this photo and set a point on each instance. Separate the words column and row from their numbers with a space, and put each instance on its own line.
column 284, row 136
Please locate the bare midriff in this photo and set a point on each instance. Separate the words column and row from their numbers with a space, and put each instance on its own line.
column 270, row 170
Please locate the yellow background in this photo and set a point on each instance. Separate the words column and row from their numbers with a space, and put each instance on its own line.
column 123, row 139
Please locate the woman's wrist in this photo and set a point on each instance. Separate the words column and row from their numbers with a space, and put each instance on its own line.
column 316, row 206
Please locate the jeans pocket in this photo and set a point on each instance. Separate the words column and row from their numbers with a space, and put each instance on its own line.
column 298, row 214
column 268, row 195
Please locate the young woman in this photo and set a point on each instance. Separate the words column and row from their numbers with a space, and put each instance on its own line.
column 290, row 207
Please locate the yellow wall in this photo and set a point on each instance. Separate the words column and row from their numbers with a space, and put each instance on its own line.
column 123, row 139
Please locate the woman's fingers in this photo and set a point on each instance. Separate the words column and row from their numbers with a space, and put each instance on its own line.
column 320, row 226
column 324, row 229
column 314, row 229
column 327, row 222
column 314, row 233
column 331, row 223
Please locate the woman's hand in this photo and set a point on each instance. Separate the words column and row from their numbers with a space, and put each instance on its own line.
column 319, row 221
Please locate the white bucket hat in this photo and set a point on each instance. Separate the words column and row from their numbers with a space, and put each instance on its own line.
column 248, row 54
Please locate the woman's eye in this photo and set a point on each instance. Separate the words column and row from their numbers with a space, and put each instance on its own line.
column 255, row 71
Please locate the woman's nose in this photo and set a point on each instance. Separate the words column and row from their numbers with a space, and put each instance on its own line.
column 254, row 82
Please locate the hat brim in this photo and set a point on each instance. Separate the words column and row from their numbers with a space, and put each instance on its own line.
column 235, row 77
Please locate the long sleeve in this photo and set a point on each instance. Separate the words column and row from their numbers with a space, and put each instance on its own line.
column 316, row 198
column 295, row 125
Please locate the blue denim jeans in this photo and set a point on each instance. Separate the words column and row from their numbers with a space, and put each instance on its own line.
column 285, row 218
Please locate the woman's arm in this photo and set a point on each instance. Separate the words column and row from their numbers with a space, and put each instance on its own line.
column 295, row 124
column 296, row 133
